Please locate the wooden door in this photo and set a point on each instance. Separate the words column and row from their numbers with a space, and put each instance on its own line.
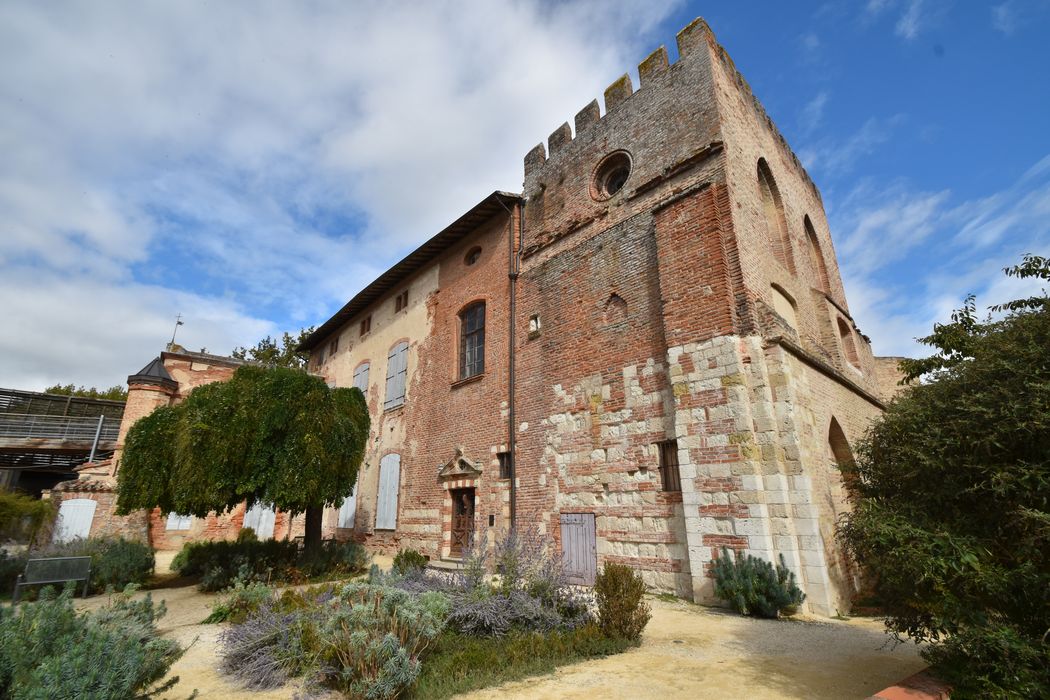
column 579, row 552
column 462, row 520
column 74, row 519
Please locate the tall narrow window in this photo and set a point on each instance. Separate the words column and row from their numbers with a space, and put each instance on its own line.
column 401, row 302
column 333, row 347
column 773, row 212
column 396, row 373
column 389, row 485
column 348, row 511
column 505, row 465
column 472, row 341
column 366, row 324
column 669, row 476
column 361, row 377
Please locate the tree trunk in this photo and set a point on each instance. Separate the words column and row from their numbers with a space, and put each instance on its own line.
column 313, row 528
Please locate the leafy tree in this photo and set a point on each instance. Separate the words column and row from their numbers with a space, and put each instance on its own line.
column 952, row 516
column 114, row 393
column 269, row 434
column 282, row 353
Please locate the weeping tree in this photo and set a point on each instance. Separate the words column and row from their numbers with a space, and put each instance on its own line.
column 269, row 434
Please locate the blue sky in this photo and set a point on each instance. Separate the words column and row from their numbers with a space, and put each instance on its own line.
column 252, row 165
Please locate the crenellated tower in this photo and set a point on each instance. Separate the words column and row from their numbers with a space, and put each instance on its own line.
column 690, row 377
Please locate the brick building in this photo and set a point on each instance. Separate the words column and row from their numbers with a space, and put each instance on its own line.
column 669, row 365
column 646, row 356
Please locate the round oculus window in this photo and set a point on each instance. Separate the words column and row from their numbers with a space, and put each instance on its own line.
column 472, row 256
column 611, row 175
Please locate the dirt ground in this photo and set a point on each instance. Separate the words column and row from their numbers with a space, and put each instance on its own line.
column 687, row 651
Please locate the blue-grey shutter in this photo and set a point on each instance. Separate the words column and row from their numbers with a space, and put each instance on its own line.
column 389, row 483
column 361, row 377
column 348, row 511
column 396, row 372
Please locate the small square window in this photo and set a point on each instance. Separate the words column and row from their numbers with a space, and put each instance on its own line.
column 366, row 325
column 401, row 302
column 669, row 476
column 506, row 465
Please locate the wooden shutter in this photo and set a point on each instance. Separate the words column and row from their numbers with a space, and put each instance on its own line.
column 396, row 373
column 74, row 519
column 361, row 377
column 389, row 483
column 348, row 511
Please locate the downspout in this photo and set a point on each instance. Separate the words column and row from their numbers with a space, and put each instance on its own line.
column 513, row 264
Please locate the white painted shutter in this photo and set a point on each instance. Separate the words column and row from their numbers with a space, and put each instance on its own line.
column 396, row 372
column 179, row 522
column 348, row 511
column 260, row 518
column 361, row 378
column 389, row 483
column 74, row 519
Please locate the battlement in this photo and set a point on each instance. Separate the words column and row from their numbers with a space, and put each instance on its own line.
column 692, row 39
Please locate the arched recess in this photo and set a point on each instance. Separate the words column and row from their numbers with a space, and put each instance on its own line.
column 849, row 347
column 615, row 309
column 773, row 212
column 816, row 256
column 842, row 457
column 785, row 307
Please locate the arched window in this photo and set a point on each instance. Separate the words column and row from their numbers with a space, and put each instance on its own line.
column 472, row 340
column 849, row 348
column 361, row 377
column 784, row 305
column 396, row 375
column 773, row 212
column 816, row 257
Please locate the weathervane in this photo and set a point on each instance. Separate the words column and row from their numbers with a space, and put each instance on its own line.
column 178, row 322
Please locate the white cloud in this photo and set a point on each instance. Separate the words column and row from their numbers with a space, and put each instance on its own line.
column 911, row 21
column 813, row 112
column 1004, row 17
column 908, row 258
column 831, row 156
column 270, row 159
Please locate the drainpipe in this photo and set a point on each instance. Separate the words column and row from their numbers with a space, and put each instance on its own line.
column 514, row 264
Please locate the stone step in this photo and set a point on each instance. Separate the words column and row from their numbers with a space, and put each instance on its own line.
column 445, row 564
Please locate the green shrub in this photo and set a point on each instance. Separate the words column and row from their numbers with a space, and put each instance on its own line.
column 115, row 562
column 458, row 663
column 408, row 560
column 239, row 602
column 622, row 612
column 752, row 586
column 11, row 565
column 22, row 517
column 247, row 534
column 220, row 565
column 48, row 651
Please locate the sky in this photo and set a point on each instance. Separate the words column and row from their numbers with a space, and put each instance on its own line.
column 252, row 165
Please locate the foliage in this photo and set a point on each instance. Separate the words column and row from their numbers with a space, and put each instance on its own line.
column 752, row 586
column 459, row 663
column 274, row 435
column 22, row 517
column 239, row 601
column 408, row 560
column 951, row 514
column 622, row 611
column 222, row 564
column 284, row 353
column 114, row 393
column 48, row 651
column 528, row 591
column 247, row 534
column 363, row 640
column 11, row 565
column 115, row 562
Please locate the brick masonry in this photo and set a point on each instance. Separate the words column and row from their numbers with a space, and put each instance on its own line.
column 700, row 303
